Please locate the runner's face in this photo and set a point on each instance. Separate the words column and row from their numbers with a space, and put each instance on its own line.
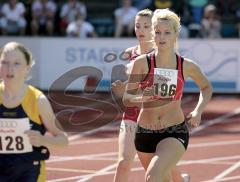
column 164, row 34
column 143, row 28
column 13, row 66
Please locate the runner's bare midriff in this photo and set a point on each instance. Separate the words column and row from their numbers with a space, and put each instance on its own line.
column 156, row 116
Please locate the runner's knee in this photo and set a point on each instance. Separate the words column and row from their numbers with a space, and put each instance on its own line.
column 159, row 174
column 124, row 164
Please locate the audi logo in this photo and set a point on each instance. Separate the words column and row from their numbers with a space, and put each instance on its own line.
column 8, row 124
column 165, row 73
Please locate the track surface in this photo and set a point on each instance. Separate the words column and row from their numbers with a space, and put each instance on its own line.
column 213, row 153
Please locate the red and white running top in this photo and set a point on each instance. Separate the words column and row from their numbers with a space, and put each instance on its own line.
column 131, row 113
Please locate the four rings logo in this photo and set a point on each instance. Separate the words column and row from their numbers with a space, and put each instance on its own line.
column 8, row 124
column 165, row 73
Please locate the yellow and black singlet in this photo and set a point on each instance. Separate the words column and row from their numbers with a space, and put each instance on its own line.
column 15, row 148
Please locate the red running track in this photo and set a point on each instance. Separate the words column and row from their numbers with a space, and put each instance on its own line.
column 213, row 153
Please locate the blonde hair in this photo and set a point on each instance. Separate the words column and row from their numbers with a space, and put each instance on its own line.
column 166, row 14
column 145, row 13
column 17, row 46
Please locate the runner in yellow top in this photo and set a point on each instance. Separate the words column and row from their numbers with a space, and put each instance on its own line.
column 25, row 116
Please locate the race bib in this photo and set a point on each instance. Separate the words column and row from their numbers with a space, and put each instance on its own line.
column 12, row 137
column 165, row 82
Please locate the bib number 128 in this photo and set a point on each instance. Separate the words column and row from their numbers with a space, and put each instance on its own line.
column 11, row 143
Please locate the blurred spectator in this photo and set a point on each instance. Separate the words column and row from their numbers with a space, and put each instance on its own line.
column 0, row 7
column 124, row 18
column 181, row 8
column 1, row 4
column 69, row 11
column 140, row 4
column 12, row 21
column 211, row 25
column 162, row 4
column 238, row 17
column 227, row 10
column 80, row 28
column 43, row 16
column 197, row 8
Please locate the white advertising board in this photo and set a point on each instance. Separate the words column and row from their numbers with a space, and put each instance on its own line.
column 219, row 60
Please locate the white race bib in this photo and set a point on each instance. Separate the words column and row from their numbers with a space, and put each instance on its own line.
column 12, row 137
column 165, row 82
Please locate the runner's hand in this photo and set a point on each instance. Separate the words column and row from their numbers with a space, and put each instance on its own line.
column 118, row 88
column 194, row 119
column 148, row 94
column 35, row 138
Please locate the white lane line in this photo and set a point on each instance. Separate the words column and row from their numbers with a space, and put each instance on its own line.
column 86, row 177
column 208, row 160
column 102, row 171
column 60, row 169
column 90, row 141
column 92, row 159
column 84, row 157
column 212, row 160
column 81, row 157
column 225, row 179
column 137, row 160
column 214, row 144
column 216, row 120
column 103, row 128
column 195, row 130
column 205, row 144
column 205, row 125
column 228, row 171
column 222, row 163
column 187, row 162
column 100, row 174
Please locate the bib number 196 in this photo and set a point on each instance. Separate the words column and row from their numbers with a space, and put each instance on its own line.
column 165, row 89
